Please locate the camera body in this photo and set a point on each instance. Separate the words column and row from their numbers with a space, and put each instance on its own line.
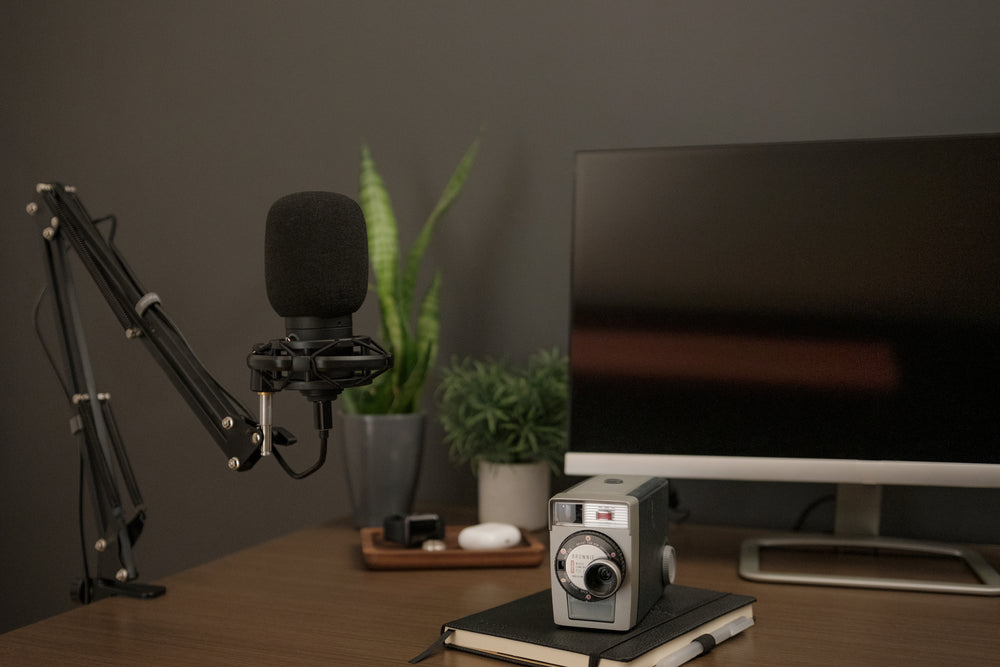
column 610, row 556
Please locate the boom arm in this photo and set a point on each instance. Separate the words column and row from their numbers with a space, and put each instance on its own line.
column 142, row 316
column 102, row 453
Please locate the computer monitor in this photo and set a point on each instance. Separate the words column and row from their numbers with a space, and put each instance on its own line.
column 824, row 311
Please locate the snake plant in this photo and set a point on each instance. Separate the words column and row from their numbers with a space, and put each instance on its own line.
column 409, row 332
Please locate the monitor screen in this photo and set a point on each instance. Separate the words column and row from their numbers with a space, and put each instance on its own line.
column 818, row 311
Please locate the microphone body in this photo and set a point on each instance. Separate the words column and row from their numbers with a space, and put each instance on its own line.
column 316, row 272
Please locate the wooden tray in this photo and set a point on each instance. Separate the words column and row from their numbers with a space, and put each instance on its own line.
column 382, row 555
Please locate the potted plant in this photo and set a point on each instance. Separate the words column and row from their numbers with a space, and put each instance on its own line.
column 510, row 425
column 383, row 426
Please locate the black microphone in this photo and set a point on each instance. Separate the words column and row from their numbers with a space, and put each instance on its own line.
column 316, row 273
column 316, row 263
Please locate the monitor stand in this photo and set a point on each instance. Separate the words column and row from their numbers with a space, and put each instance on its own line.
column 856, row 529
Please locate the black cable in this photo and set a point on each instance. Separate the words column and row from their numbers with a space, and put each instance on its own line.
column 323, row 436
column 114, row 226
column 38, row 306
column 94, row 263
column 45, row 347
column 680, row 515
column 677, row 513
column 84, row 590
column 810, row 508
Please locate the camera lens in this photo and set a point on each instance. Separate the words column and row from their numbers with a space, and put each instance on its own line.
column 589, row 566
column 602, row 578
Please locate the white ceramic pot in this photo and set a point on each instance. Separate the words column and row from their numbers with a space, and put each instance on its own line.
column 516, row 493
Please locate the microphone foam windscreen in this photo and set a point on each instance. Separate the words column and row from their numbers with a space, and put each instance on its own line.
column 316, row 255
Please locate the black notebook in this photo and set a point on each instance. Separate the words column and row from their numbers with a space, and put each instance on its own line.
column 523, row 631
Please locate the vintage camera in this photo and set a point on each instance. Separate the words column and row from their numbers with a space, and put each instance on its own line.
column 610, row 557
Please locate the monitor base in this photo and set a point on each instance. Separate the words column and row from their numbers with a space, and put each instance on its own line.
column 750, row 564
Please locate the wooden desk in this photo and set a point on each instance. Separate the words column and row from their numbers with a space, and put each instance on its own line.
column 306, row 599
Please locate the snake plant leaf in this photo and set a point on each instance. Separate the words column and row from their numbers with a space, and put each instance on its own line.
column 383, row 249
column 426, row 346
column 447, row 198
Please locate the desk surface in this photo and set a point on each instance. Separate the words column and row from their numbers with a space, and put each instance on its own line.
column 306, row 599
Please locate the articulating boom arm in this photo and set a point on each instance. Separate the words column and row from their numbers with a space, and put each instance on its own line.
column 103, row 457
column 141, row 315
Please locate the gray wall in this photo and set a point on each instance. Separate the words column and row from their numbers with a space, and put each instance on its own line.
column 188, row 119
